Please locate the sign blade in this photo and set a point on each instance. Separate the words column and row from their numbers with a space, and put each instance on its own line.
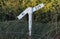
column 38, row 7
column 22, row 14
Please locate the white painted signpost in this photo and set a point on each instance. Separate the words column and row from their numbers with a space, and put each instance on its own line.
column 30, row 11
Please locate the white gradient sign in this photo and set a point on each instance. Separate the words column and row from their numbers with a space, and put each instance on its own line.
column 30, row 11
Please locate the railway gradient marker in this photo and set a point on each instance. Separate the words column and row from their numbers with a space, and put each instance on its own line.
column 30, row 11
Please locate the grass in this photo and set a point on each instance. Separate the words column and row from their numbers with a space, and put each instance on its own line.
column 19, row 30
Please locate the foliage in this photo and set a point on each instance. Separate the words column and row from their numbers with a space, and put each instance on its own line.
column 17, row 6
column 10, row 30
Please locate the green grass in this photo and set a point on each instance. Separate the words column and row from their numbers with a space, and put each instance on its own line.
column 19, row 30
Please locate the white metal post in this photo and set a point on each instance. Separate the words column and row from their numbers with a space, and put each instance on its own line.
column 30, row 24
column 30, row 21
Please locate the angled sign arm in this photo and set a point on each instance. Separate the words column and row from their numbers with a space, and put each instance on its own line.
column 38, row 7
column 23, row 14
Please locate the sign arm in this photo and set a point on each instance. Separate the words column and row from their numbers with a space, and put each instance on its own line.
column 38, row 7
column 22, row 14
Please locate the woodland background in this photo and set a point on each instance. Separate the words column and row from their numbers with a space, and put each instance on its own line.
column 9, row 9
